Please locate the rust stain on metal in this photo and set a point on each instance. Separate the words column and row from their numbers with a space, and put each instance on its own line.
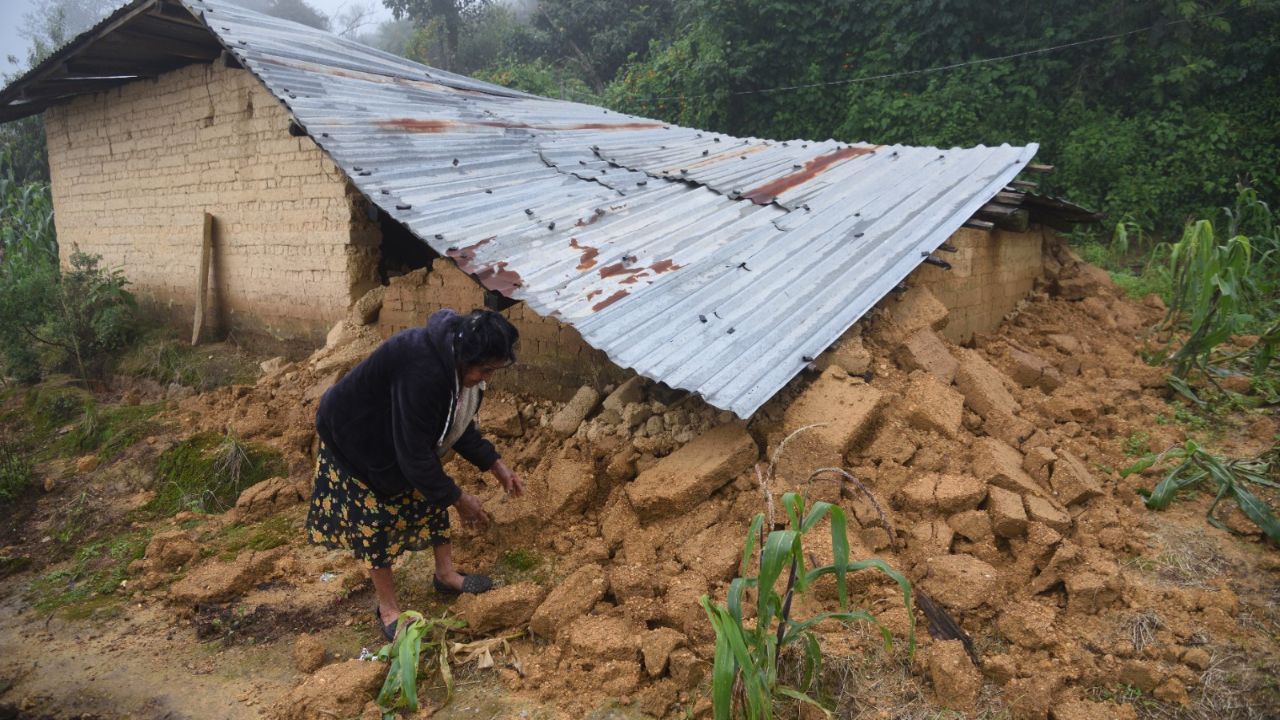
column 594, row 293
column 768, row 192
column 663, row 266
column 723, row 155
column 609, row 300
column 611, row 126
column 494, row 277
column 432, row 125
column 633, row 279
column 588, row 259
column 418, row 126
column 616, row 269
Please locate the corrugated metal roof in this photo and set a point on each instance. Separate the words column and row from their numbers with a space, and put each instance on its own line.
column 712, row 263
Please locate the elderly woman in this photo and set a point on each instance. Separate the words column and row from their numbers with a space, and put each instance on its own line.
column 385, row 429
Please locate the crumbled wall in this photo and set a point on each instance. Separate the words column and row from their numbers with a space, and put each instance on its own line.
column 990, row 272
column 135, row 168
column 553, row 359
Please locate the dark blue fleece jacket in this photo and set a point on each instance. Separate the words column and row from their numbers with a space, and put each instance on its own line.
column 385, row 419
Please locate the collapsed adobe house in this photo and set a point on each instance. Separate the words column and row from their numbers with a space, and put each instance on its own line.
column 329, row 169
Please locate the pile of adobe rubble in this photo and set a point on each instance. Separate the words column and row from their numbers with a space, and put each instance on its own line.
column 994, row 464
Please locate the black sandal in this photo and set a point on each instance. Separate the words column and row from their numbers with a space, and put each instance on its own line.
column 388, row 630
column 474, row 584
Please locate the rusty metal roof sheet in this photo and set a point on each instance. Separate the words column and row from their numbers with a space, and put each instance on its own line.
column 713, row 263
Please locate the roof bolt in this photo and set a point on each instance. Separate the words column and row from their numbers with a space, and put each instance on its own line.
column 703, row 318
column 796, row 167
column 528, row 212
column 324, row 134
column 742, row 157
column 859, row 234
column 732, row 330
column 403, row 206
column 704, row 152
column 357, row 168
column 552, row 225
column 487, row 191
column 715, row 139
column 643, row 182
column 366, row 173
column 455, row 162
column 439, row 236
column 683, row 171
column 385, row 191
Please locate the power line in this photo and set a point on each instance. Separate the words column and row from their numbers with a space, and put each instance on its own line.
column 940, row 68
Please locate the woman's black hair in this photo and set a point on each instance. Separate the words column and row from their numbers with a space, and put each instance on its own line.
column 484, row 336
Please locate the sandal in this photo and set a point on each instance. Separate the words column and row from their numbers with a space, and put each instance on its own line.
column 388, row 629
column 474, row 584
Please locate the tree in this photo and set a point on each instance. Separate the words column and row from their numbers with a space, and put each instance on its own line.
column 296, row 10
column 448, row 16
column 600, row 35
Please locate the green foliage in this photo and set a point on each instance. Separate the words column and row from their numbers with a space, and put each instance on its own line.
column 747, row 654
column 1226, row 478
column 91, row 580
column 207, row 471
column 538, row 77
column 274, row 532
column 15, row 473
column 167, row 360
column 415, row 636
column 109, row 430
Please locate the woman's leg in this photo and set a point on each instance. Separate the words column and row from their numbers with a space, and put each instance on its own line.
column 384, row 588
column 445, row 571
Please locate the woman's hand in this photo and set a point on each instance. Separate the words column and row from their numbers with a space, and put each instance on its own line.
column 471, row 510
column 511, row 482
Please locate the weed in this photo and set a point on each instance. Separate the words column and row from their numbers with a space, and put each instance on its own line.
column 207, row 471
column 15, row 473
column 415, row 634
column 1136, row 444
column 1230, row 478
column 167, row 360
column 521, row 560
column 69, row 520
column 270, row 533
column 109, row 430
column 92, row 578
column 747, row 654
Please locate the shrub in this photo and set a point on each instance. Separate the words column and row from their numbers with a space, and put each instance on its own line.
column 15, row 473
column 207, row 471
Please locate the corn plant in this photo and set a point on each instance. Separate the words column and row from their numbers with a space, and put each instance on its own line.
column 747, row 655
column 415, row 634
column 1229, row 478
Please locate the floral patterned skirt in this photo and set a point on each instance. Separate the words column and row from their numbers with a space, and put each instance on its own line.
column 345, row 514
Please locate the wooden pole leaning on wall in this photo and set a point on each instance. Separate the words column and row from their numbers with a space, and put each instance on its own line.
column 202, row 280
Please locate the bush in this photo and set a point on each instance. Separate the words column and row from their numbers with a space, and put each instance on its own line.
column 207, row 471
column 15, row 473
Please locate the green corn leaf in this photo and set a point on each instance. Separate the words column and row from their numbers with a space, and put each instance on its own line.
column 812, row 661
column 797, row 695
column 779, row 548
column 749, row 546
column 1183, row 476
column 1257, row 511
column 816, row 513
column 840, row 554
column 723, row 668
column 794, row 505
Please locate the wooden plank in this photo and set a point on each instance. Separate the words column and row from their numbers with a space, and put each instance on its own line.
column 977, row 224
column 202, row 280
column 1024, row 185
column 1037, row 167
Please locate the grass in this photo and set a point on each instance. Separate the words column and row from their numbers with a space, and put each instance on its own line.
column 207, row 471
column 1136, row 444
column 88, row 585
column 167, row 360
column 108, row 431
column 15, row 473
column 270, row 533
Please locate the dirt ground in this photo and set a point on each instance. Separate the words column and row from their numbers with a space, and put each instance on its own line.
column 996, row 465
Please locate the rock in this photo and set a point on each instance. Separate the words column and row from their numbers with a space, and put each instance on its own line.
column 960, row 582
column 1082, row 281
column 272, row 366
column 1027, row 624
column 501, row 417
column 573, row 597
column 1140, row 674
column 635, row 414
column 956, row 682
column 365, row 310
column 1000, row 465
column 308, row 654
column 846, row 410
column 972, row 525
column 1098, row 310
column 917, row 309
column 1008, row 519
column 983, row 387
column 891, row 442
column 87, row 464
column 712, row 553
column 219, row 581
column 1173, row 691
column 1042, row 511
column 1031, row 371
column 583, row 403
column 1071, row 480
column 1030, row 698
column 1066, row 405
column 1090, row 590
column 505, row 607
column 628, row 393
column 848, row 354
column 49, row 484
column 320, row 387
column 689, row 475
column 931, row 405
column 1196, row 659
column 945, row 493
column 925, row 351
column 1038, row 462
column 604, row 638
column 570, row 486
column 656, row 647
column 269, row 497
column 339, row 690
column 686, row 668
column 930, row 538
column 168, row 551
column 631, row 581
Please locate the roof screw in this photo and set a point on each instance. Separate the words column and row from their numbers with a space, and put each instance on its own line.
column 703, row 318
column 487, row 191
column 528, row 212
column 403, row 206
column 859, row 234
column 732, row 330
column 796, row 167
column 324, row 134
column 455, row 162
column 742, row 157
column 941, row 155
column 385, row 191
column 552, row 225
column 357, row 168
column 643, row 182
column 704, row 152
column 439, row 236
column 715, row 139
column 683, row 171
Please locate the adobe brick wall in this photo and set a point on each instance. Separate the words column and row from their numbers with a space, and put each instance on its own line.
column 553, row 359
column 990, row 272
column 134, row 168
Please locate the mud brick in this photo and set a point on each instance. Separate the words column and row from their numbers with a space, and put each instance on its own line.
column 931, row 405
column 689, row 475
column 925, row 351
column 1071, row 480
column 1008, row 518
